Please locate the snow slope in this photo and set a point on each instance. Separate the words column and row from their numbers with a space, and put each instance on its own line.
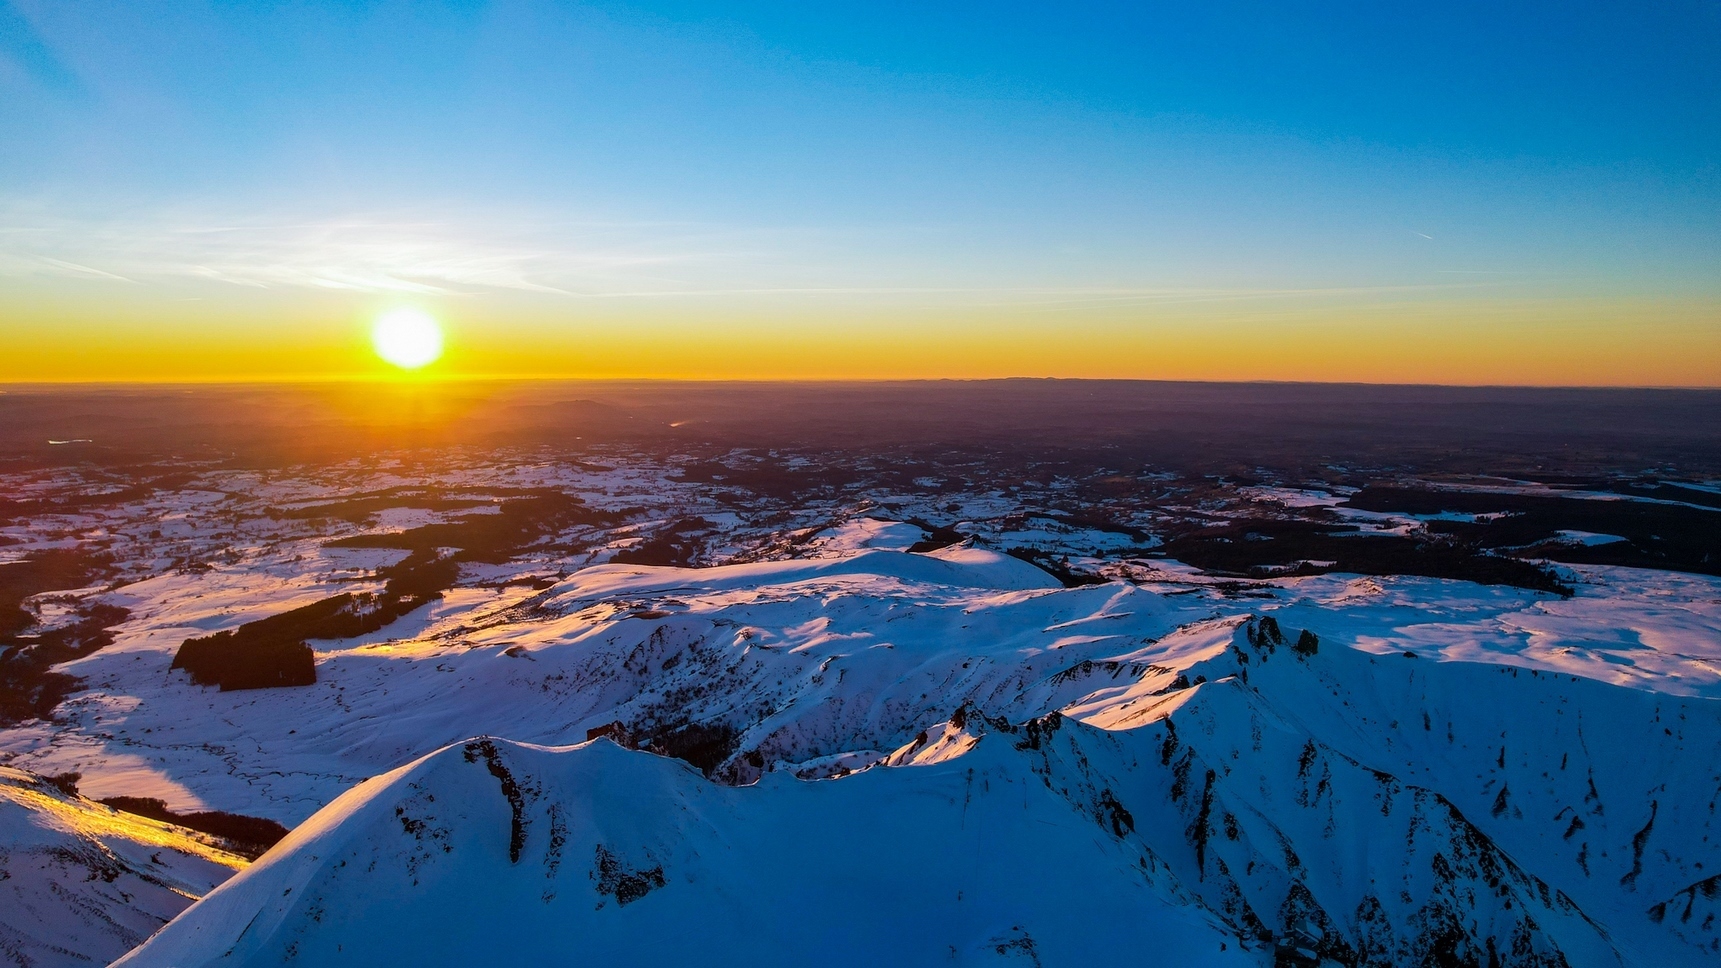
column 81, row 883
column 762, row 646
column 606, row 856
column 1229, row 784
column 1448, row 765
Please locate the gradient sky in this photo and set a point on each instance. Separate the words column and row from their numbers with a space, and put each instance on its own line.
column 1452, row 192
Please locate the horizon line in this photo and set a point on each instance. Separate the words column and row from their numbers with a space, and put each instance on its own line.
column 407, row 380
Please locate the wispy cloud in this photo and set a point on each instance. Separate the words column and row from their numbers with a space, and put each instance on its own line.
column 381, row 253
column 459, row 254
column 74, row 269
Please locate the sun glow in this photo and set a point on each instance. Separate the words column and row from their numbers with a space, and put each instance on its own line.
column 407, row 338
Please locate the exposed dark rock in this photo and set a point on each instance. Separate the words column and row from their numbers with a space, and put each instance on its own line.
column 704, row 745
column 511, row 789
column 622, row 883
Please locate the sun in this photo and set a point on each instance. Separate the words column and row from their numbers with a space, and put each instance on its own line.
column 407, row 338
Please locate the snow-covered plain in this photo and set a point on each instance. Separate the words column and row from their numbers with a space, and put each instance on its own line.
column 927, row 757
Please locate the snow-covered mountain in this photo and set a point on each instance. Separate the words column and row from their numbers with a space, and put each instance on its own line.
column 992, row 766
column 83, row 883
column 860, row 730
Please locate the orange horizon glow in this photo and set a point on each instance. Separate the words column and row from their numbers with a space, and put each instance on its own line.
column 1528, row 342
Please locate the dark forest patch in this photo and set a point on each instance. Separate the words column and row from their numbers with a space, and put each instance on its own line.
column 1666, row 536
column 362, row 508
column 1658, row 490
column 246, row 836
column 44, row 571
column 1058, row 568
column 1093, row 523
column 937, row 536
column 1272, row 548
column 490, row 538
column 124, row 493
column 676, row 546
column 29, row 688
column 770, row 479
column 275, row 651
column 258, row 655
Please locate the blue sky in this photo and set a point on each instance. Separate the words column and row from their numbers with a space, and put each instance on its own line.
column 719, row 151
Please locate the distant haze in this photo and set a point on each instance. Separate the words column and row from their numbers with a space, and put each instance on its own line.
column 1201, row 428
